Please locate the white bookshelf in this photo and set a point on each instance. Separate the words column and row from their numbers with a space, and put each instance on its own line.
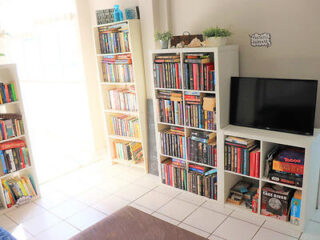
column 139, row 84
column 8, row 73
column 226, row 60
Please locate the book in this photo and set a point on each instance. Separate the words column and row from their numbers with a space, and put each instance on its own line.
column 287, row 167
column 11, row 125
column 114, row 39
column 128, row 151
column 123, row 125
column 117, row 69
column 123, row 99
column 173, row 142
column 170, row 107
column 173, row 175
column 7, row 93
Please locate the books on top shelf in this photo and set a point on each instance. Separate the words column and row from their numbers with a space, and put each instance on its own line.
column 7, row 93
column 18, row 190
column 242, row 156
column 14, row 156
column 123, row 125
column 201, row 147
column 114, row 39
column 199, row 72
column 117, row 68
column 173, row 142
column 166, row 71
column 174, row 173
column 202, row 181
column 123, row 99
column 170, row 107
column 11, row 125
column 200, row 114
column 285, row 164
column 128, row 151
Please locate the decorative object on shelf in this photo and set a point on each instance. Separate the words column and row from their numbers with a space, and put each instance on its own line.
column 117, row 14
column 180, row 45
column 186, row 38
column 195, row 43
column 132, row 13
column 164, row 39
column 216, row 37
column 260, row 40
column 104, row 16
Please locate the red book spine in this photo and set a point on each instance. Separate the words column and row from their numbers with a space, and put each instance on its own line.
column 22, row 159
column 195, row 76
column 215, row 157
column 167, row 179
column 7, row 92
column 12, row 144
column 207, row 73
column 177, row 76
column 239, row 161
column 201, row 76
column 170, row 167
column 251, row 164
column 257, row 158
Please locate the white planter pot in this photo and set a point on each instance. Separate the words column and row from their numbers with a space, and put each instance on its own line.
column 216, row 41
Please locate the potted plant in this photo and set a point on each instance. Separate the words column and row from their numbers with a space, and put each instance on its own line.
column 163, row 38
column 216, row 36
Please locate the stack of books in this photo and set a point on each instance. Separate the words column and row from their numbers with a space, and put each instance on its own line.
column 166, row 71
column 122, row 99
column 123, row 125
column 117, row 68
column 114, row 39
column 174, row 173
column 173, row 142
column 7, row 93
column 199, row 72
column 11, row 125
column 197, row 113
column 18, row 190
column 14, row 156
column 201, row 147
column 202, row 181
column 242, row 156
column 129, row 151
column 170, row 107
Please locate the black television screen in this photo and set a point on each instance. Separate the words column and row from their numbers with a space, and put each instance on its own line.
column 286, row 105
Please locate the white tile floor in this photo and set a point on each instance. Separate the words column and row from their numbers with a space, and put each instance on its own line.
column 74, row 202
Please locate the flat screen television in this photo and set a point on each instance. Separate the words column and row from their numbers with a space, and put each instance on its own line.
column 286, row 105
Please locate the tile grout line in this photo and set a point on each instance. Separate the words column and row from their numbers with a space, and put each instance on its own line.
column 258, row 230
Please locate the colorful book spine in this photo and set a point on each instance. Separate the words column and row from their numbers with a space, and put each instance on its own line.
column 122, row 99
column 123, row 125
column 201, row 184
column 113, row 40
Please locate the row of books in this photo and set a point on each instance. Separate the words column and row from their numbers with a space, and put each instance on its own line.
column 166, row 71
column 124, row 125
column 201, row 148
column 242, row 156
column 129, row 151
column 170, row 107
column 18, row 190
column 117, row 68
column 202, row 181
column 7, row 93
column 198, row 72
column 173, row 142
column 200, row 115
column 174, row 173
column 122, row 99
column 285, row 164
column 11, row 125
column 114, row 40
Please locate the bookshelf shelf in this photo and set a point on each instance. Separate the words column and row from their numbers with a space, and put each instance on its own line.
column 164, row 155
column 170, row 89
column 243, row 175
column 200, row 129
column 170, row 124
column 281, row 184
column 8, row 74
column 201, row 164
column 129, row 40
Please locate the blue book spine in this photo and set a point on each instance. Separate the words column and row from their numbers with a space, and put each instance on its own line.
column 245, row 161
column 200, row 116
column 184, row 147
column 5, row 170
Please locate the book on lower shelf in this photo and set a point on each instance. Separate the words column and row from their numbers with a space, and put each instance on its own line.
column 123, row 125
column 174, row 173
column 202, row 181
column 127, row 151
column 202, row 147
column 114, row 39
column 7, row 93
column 173, row 142
column 170, row 107
column 18, row 190
column 117, row 69
column 199, row 72
column 242, row 156
column 167, row 74
column 123, row 99
column 11, row 125
column 200, row 110
column 14, row 156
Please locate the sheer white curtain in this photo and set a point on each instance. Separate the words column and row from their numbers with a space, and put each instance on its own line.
column 42, row 39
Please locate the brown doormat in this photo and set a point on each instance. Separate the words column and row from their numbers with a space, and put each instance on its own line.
column 131, row 224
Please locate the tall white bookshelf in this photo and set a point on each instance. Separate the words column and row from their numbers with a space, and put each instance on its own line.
column 8, row 74
column 226, row 60
column 134, row 39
